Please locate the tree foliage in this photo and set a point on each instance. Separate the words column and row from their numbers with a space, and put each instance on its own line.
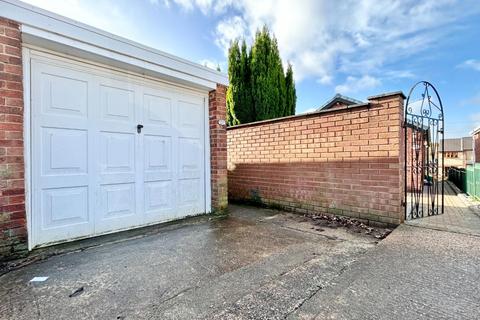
column 232, row 98
column 259, row 88
column 291, row 92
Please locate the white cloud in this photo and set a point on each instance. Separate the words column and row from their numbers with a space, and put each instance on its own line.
column 228, row 30
column 399, row 74
column 322, row 38
column 471, row 64
column 325, row 79
column 354, row 84
column 116, row 21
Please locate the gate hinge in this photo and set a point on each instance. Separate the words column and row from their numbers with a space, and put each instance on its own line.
column 403, row 204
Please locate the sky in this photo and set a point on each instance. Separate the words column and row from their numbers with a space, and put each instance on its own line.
column 356, row 48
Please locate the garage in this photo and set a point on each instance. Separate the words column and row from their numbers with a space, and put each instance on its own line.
column 102, row 134
column 111, row 151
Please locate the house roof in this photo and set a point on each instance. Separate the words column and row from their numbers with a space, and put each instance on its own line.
column 338, row 98
column 458, row 144
column 475, row 131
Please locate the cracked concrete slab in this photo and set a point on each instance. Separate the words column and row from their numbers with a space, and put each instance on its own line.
column 415, row 273
column 257, row 264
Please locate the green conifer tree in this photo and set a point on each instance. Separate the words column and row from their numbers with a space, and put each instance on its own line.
column 260, row 78
column 268, row 78
column 291, row 94
column 232, row 97
column 246, row 110
column 259, row 88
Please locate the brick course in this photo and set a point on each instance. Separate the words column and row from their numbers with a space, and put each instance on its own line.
column 345, row 161
column 218, row 148
column 13, row 233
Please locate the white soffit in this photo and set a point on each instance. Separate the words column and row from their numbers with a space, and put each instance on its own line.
column 51, row 31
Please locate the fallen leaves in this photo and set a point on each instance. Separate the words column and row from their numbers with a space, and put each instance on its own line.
column 331, row 221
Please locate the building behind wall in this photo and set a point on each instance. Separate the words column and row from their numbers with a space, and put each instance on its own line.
column 339, row 101
column 458, row 152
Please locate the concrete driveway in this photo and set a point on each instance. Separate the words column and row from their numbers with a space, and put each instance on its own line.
column 415, row 273
column 428, row 268
column 257, row 264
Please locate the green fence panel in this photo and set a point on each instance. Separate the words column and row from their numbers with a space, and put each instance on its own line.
column 467, row 180
column 470, row 183
column 477, row 180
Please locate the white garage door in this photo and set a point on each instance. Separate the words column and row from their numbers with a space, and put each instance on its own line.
column 95, row 169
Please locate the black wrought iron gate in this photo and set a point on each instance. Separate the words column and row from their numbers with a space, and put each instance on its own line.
column 424, row 159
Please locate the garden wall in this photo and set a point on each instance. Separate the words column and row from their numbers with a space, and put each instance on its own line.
column 346, row 161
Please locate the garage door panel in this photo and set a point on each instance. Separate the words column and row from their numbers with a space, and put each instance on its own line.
column 64, row 207
column 117, row 158
column 64, row 151
column 63, row 214
column 157, row 110
column 117, row 104
column 118, row 200
column 190, row 115
column 159, row 200
column 63, row 92
column 189, row 196
column 190, row 154
column 117, row 153
column 117, row 208
column 158, row 158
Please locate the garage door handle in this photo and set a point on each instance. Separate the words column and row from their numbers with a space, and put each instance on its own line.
column 139, row 128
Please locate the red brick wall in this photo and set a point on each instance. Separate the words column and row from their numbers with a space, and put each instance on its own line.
column 344, row 161
column 13, row 232
column 476, row 146
column 218, row 148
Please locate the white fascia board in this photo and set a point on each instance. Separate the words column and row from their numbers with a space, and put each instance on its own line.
column 52, row 31
column 42, row 39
